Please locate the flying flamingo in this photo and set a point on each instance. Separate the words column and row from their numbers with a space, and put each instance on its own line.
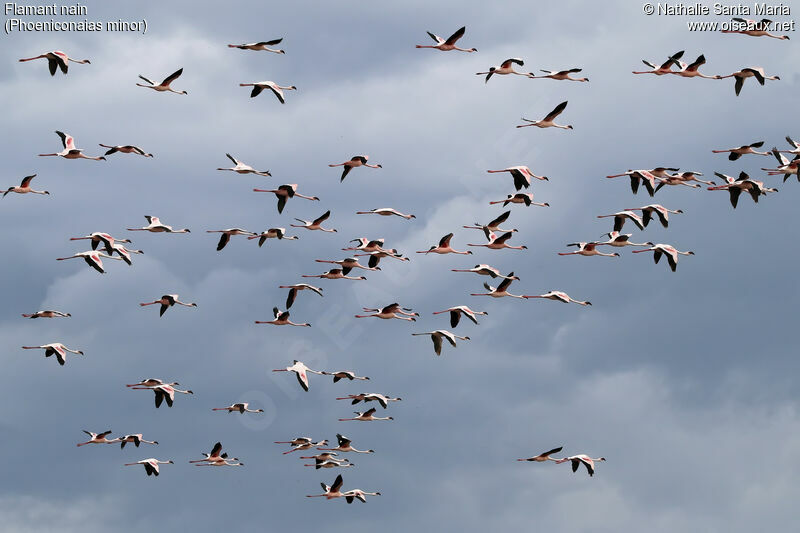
column 499, row 242
column 315, row 224
column 448, row 44
column 47, row 314
column 298, row 287
column 375, row 257
column 438, row 335
column 664, row 68
column 794, row 144
column 164, row 85
column 151, row 382
column 386, row 212
column 344, row 374
column 344, row 444
column 154, row 225
column 620, row 240
column 123, row 252
column 284, row 192
column 242, row 407
column 457, row 311
column 125, row 149
column 24, row 187
column 228, row 233
column 547, row 122
column 485, row 270
column 167, row 301
column 561, row 75
column 92, row 258
column 301, row 371
column 506, row 67
column 151, row 465
column 743, row 183
column 370, row 397
column 276, row 89
column 54, row 348
column 355, row 161
column 647, row 177
column 334, row 491
column 559, row 296
column 273, row 233
column 657, row 209
column 330, row 463
column 98, row 237
column 69, row 151
column 785, row 167
column 366, row 416
column 755, row 29
column 366, row 245
column 691, row 70
column 444, row 247
column 98, row 438
column 214, row 456
column 621, row 216
column 281, row 319
column 522, row 176
column 135, row 438
column 334, row 273
column 501, row 290
column 749, row 72
column 262, row 45
column 302, row 443
column 494, row 225
column 358, row 494
column 242, row 168
column 543, row 457
column 671, row 252
column 736, row 153
column 164, row 392
column 520, row 198
column 57, row 59
column 587, row 249
column 584, row 460
column 348, row 264
column 390, row 311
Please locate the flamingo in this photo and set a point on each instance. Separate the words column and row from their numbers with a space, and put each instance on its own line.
column 54, row 348
column 242, row 168
column 125, row 149
column 520, row 198
column 334, row 491
column 276, row 89
column 24, row 187
column 506, row 67
column 348, row 264
column 273, row 233
column 164, row 86
column 749, row 72
column 358, row 494
column 355, row 161
column 522, row 176
column 302, row 443
column 683, row 179
column 366, row 245
column 164, row 392
column 647, row 177
column 154, row 225
column 57, row 59
column 671, row 252
column 262, row 45
column 151, row 382
column 296, row 441
column 124, row 253
column 151, row 465
column 448, row 44
column 620, row 240
column 284, row 192
column 366, row 416
column 657, row 209
column 390, row 311
column 501, row 290
column 370, row 397
column 437, row 336
column 756, row 29
column 561, row 75
column 457, row 311
column 330, row 463
column 216, row 457
column 301, row 371
column 559, row 296
column 47, row 314
column 334, row 273
column 228, row 233
column 743, row 183
column 736, row 153
column 691, row 70
column 547, row 122
column 92, row 258
column 344, row 374
column 664, row 68
column 98, row 237
column 135, row 438
column 281, row 319
column 494, row 225
column 795, row 147
column 621, row 216
column 315, row 224
column 375, row 257
column 543, row 457
column 344, row 443
column 325, row 456
column 444, row 247
column 385, row 212
column 98, row 438
column 69, row 151
column 584, row 460
column 485, row 270
column 587, row 249
column 785, row 167
column 167, row 301
column 242, row 407
column 298, row 287
column 498, row 243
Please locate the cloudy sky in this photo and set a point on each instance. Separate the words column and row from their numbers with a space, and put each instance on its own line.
column 685, row 382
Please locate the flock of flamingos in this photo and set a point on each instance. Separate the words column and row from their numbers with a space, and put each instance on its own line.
column 373, row 250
